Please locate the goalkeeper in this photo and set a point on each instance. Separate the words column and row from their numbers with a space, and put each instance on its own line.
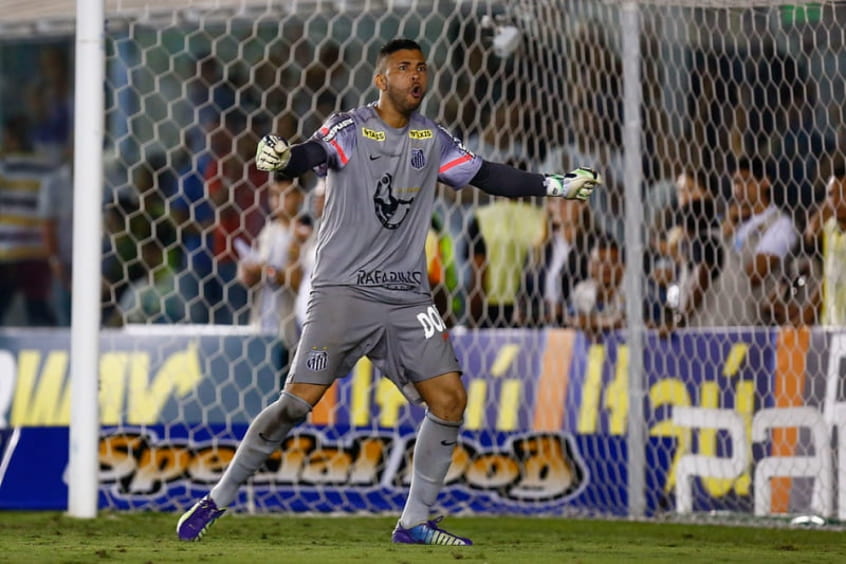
column 370, row 292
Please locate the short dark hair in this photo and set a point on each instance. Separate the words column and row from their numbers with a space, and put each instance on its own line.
column 605, row 242
column 16, row 132
column 395, row 45
column 699, row 176
column 838, row 168
column 759, row 167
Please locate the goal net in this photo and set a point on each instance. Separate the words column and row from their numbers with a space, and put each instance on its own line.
column 738, row 112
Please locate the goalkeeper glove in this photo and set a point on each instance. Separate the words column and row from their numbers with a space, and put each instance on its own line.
column 272, row 153
column 577, row 184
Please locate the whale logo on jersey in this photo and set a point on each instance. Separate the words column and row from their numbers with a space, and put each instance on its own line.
column 390, row 210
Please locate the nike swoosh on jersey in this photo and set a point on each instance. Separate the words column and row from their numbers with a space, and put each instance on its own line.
column 374, row 157
column 448, row 443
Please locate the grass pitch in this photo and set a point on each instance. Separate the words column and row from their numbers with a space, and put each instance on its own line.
column 151, row 538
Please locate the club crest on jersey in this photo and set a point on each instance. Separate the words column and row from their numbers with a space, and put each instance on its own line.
column 317, row 360
column 418, row 160
column 390, row 210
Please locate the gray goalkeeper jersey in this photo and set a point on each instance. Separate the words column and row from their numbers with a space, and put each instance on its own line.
column 380, row 189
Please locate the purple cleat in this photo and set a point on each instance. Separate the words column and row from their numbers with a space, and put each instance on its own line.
column 428, row 533
column 195, row 522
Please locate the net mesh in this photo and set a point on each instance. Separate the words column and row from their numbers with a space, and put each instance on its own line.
column 741, row 125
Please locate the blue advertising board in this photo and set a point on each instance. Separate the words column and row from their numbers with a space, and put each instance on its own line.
column 174, row 406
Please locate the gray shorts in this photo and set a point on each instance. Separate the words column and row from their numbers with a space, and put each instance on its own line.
column 408, row 343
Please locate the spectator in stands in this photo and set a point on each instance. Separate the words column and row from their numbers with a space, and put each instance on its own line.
column 597, row 304
column 795, row 300
column 687, row 239
column 272, row 268
column 136, row 211
column 238, row 193
column 756, row 238
column 443, row 271
column 117, row 249
column 56, row 203
column 193, row 215
column 553, row 269
column 308, row 252
column 24, row 266
column 816, row 289
column 661, row 209
column 833, row 299
column 153, row 297
column 500, row 237
column 51, row 106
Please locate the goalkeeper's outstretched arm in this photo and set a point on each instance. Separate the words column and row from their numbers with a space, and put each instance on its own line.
column 503, row 180
column 274, row 154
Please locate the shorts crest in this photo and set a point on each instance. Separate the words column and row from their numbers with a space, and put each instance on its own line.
column 317, row 360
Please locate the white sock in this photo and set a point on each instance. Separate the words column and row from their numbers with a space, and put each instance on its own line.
column 432, row 456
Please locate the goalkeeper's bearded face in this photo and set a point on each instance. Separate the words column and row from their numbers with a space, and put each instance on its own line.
column 404, row 79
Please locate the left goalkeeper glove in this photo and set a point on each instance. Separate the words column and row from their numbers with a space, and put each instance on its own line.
column 272, row 153
column 577, row 184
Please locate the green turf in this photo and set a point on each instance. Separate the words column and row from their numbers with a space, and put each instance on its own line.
column 150, row 537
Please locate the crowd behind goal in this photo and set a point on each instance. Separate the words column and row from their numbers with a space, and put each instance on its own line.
column 744, row 215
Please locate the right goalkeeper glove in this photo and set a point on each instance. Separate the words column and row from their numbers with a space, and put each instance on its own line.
column 577, row 184
column 272, row 153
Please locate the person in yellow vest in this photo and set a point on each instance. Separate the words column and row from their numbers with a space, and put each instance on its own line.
column 834, row 253
column 443, row 271
column 500, row 237
column 826, row 230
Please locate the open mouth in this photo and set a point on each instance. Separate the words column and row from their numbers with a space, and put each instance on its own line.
column 417, row 91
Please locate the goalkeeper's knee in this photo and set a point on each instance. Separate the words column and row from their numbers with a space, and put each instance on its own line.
column 292, row 409
column 285, row 412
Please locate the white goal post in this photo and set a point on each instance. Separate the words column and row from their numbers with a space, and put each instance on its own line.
column 83, row 465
